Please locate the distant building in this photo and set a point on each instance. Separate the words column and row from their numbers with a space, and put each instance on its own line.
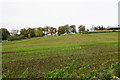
column 113, row 28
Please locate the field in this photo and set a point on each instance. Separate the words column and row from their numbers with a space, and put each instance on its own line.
column 44, row 54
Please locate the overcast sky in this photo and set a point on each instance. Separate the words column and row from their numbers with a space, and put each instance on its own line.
column 17, row 14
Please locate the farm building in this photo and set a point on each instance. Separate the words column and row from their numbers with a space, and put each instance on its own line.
column 113, row 28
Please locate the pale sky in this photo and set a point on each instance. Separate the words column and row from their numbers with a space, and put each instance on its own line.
column 17, row 14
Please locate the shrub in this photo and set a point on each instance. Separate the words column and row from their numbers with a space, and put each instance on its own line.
column 16, row 37
column 59, row 34
column 22, row 36
column 36, row 34
column 41, row 35
column 32, row 33
column 10, row 38
column 29, row 36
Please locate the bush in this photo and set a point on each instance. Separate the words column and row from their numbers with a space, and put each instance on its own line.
column 29, row 36
column 22, row 36
column 36, row 34
column 10, row 38
column 43, row 34
column 32, row 34
column 16, row 38
column 59, row 34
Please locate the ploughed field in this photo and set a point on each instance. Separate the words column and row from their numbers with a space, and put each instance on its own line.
column 44, row 54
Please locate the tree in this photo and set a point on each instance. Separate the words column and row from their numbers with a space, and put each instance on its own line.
column 43, row 29
column 47, row 30
column 55, row 30
column 5, row 33
column 67, row 28
column 22, row 31
column 96, row 28
column 39, row 31
column 99, row 28
column 73, row 28
column 102, row 28
column 61, row 30
column 31, row 32
column 28, row 30
column 87, row 29
column 52, row 30
column 81, row 28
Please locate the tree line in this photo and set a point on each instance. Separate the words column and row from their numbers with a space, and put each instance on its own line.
column 44, row 31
